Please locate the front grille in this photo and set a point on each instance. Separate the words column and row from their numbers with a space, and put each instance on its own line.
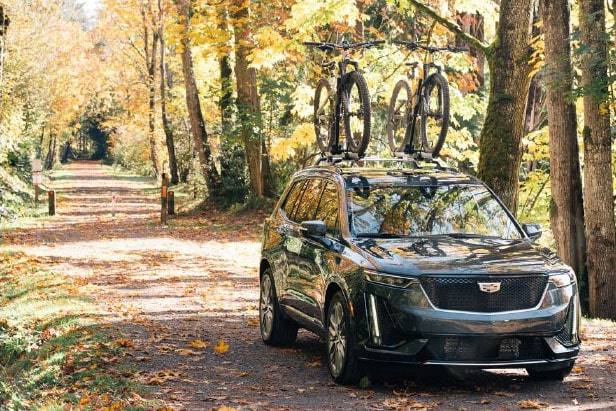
column 464, row 294
column 484, row 349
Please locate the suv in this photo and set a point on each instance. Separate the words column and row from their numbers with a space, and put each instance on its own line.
column 415, row 264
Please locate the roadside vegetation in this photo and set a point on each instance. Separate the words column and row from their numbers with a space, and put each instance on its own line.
column 54, row 351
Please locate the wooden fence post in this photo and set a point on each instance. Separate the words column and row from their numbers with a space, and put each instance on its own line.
column 170, row 203
column 51, row 195
column 163, row 199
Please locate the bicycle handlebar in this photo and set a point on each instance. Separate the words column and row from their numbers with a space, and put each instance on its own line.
column 344, row 45
column 411, row 45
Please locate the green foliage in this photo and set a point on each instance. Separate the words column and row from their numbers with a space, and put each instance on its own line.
column 233, row 187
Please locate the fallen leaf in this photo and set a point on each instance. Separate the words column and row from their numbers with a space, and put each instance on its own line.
column 198, row 344
column 221, row 347
column 527, row 404
column 123, row 342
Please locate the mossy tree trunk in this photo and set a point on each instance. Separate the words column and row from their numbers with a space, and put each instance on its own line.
column 598, row 184
column 501, row 137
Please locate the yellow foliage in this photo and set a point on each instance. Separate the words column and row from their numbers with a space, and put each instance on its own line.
column 306, row 15
column 303, row 101
column 271, row 48
column 284, row 148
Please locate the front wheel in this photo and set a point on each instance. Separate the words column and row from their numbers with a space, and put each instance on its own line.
column 342, row 364
column 275, row 329
column 398, row 116
column 435, row 114
column 323, row 114
column 357, row 113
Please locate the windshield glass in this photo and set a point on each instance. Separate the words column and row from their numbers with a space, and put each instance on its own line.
column 454, row 209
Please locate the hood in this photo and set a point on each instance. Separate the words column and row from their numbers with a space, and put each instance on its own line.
column 451, row 255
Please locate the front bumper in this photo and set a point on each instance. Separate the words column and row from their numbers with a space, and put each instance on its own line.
column 395, row 331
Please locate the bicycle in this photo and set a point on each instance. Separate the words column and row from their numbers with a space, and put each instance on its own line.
column 415, row 119
column 343, row 97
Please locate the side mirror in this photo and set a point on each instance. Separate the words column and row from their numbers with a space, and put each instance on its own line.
column 314, row 228
column 533, row 231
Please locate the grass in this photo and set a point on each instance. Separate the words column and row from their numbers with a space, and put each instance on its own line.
column 55, row 351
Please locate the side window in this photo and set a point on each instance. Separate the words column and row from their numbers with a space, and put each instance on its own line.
column 328, row 210
column 307, row 205
column 291, row 200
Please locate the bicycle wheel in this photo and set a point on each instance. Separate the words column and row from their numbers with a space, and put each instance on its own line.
column 398, row 116
column 323, row 114
column 357, row 113
column 435, row 114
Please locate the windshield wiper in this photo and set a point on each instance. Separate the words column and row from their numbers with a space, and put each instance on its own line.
column 380, row 235
column 468, row 235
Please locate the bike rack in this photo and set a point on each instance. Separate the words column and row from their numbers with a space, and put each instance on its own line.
column 415, row 161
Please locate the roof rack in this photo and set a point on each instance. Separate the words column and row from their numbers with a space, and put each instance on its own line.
column 350, row 160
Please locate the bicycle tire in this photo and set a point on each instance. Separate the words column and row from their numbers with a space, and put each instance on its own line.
column 435, row 114
column 357, row 113
column 399, row 116
column 323, row 114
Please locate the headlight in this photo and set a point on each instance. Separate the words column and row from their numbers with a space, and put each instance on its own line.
column 388, row 279
column 560, row 289
column 563, row 279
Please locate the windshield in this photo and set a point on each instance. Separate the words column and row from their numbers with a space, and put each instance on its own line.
column 454, row 209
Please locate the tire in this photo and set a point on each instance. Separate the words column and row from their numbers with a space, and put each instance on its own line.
column 339, row 339
column 547, row 374
column 323, row 115
column 435, row 114
column 357, row 113
column 398, row 116
column 275, row 329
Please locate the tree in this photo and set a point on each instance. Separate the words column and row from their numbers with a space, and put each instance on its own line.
column 4, row 24
column 197, row 123
column 501, row 137
column 164, row 77
column 248, row 102
column 150, row 44
column 566, row 212
column 598, row 185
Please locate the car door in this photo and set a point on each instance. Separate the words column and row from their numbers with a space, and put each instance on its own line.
column 321, row 256
column 298, row 247
column 286, row 231
column 317, row 256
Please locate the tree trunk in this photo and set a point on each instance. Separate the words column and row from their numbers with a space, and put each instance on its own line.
column 169, row 139
column 248, row 103
column 501, row 137
column 598, row 186
column 4, row 24
column 197, row 123
column 226, row 84
column 150, row 47
column 566, row 211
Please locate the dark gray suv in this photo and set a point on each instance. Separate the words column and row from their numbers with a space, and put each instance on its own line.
column 413, row 264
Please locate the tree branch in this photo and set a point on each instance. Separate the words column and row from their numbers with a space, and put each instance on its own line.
column 453, row 27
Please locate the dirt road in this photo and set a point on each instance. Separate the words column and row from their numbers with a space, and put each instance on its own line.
column 184, row 298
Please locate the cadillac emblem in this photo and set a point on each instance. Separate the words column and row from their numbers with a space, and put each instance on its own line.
column 489, row 287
